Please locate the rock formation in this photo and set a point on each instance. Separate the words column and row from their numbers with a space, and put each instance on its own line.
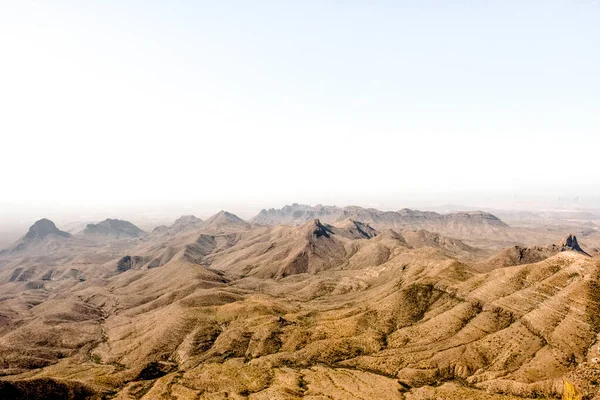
column 42, row 228
column 570, row 243
column 113, row 228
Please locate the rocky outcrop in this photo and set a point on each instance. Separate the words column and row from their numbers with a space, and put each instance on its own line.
column 128, row 262
column 517, row 255
column 317, row 229
column 356, row 229
column 521, row 255
column 570, row 243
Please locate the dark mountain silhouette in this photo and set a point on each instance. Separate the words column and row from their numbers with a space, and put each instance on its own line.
column 42, row 228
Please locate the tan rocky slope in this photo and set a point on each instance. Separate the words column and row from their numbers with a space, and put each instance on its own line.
column 338, row 311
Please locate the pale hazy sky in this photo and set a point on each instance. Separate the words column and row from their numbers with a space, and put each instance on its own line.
column 151, row 102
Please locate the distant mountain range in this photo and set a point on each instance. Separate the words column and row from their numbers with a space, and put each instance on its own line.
column 464, row 225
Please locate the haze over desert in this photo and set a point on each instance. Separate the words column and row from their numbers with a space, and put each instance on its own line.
column 267, row 200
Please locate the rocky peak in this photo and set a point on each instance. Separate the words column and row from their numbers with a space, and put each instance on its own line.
column 187, row 219
column 43, row 228
column 570, row 243
column 225, row 216
column 225, row 220
column 317, row 229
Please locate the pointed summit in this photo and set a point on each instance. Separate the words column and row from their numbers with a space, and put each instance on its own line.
column 40, row 234
column 317, row 229
column 43, row 228
column 187, row 220
column 570, row 243
column 225, row 220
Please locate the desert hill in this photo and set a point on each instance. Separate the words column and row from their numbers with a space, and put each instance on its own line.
column 282, row 251
column 112, row 228
column 187, row 220
column 322, row 309
column 519, row 255
column 42, row 234
column 450, row 246
column 225, row 221
column 45, row 255
column 182, row 224
column 186, row 223
column 42, row 228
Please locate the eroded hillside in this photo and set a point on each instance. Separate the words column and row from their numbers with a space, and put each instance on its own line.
column 227, row 309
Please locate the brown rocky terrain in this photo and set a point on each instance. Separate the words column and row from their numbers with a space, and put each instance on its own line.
column 336, row 307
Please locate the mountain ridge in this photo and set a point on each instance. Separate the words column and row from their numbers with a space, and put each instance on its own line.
column 464, row 225
column 239, row 310
column 113, row 228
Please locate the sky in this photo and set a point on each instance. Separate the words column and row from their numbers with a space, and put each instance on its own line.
column 153, row 103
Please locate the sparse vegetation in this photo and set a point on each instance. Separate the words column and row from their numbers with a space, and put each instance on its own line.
column 302, row 311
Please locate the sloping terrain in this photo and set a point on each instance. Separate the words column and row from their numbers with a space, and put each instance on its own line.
column 519, row 255
column 182, row 224
column 43, row 233
column 338, row 310
column 225, row 221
